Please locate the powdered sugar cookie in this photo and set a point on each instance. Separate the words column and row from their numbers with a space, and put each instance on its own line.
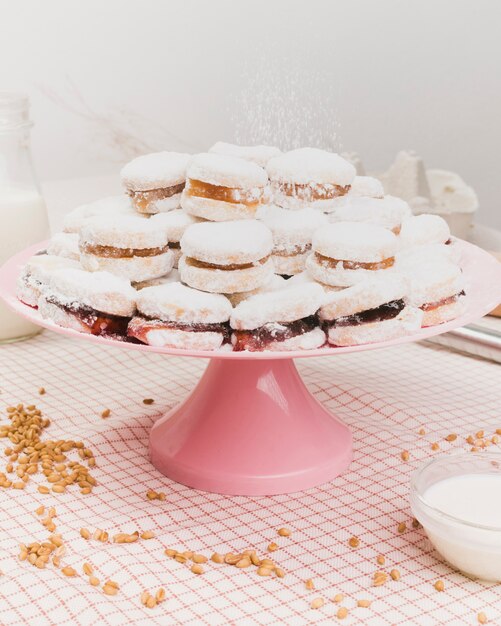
column 345, row 253
column 257, row 154
column 155, row 181
column 274, row 282
column 226, row 257
column 220, row 187
column 132, row 247
column 172, row 277
column 35, row 275
column 372, row 310
column 366, row 187
column 279, row 320
column 97, row 303
column 111, row 206
column 388, row 212
column 176, row 316
column 419, row 230
column 292, row 233
column 438, row 289
column 309, row 177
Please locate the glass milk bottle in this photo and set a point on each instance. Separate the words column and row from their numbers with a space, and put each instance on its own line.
column 23, row 215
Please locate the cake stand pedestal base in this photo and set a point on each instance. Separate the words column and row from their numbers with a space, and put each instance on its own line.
column 250, row 428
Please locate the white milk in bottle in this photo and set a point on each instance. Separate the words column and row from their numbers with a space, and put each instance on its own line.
column 23, row 216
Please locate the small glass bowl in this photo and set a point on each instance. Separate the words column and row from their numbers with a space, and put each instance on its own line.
column 472, row 548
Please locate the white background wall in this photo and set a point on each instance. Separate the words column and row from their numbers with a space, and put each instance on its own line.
column 113, row 78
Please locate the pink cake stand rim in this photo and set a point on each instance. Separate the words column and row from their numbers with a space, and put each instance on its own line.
column 482, row 273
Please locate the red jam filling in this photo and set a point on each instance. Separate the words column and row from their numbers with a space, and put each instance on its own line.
column 139, row 327
column 97, row 322
column 260, row 338
column 430, row 306
column 381, row 313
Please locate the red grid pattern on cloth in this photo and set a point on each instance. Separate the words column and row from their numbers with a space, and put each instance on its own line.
column 385, row 396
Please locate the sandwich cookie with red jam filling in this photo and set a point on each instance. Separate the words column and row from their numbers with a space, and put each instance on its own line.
column 373, row 310
column 280, row 320
column 309, row 177
column 176, row 316
column 438, row 289
column 221, row 188
column 65, row 245
column 174, row 223
column 344, row 253
column 96, row 303
column 155, row 181
column 226, row 257
column 292, row 233
column 131, row 247
column 388, row 212
column 35, row 276
column 111, row 206
column 260, row 155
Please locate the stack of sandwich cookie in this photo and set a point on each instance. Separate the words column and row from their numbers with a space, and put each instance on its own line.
column 388, row 212
column 345, row 253
column 131, row 247
column 177, row 316
column 292, row 234
column 260, row 155
column 220, row 188
column 35, row 276
column 309, row 177
column 113, row 206
column 373, row 310
column 97, row 303
column 279, row 320
column 226, row 257
column 155, row 181
column 174, row 223
column 438, row 289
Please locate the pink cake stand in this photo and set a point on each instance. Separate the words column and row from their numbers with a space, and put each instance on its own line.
column 250, row 426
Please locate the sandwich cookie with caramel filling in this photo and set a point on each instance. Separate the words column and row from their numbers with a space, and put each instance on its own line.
column 279, row 320
column 112, row 206
column 344, row 253
column 309, row 177
column 155, row 181
column 292, row 233
column 221, row 188
column 96, row 303
column 388, row 212
column 420, row 230
column 438, row 289
column 174, row 223
column 226, row 257
column 35, row 275
column 375, row 309
column 260, row 155
column 131, row 247
column 176, row 316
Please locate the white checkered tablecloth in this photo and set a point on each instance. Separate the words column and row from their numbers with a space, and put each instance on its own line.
column 385, row 396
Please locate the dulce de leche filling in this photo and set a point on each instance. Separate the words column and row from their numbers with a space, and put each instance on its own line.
column 353, row 265
column 142, row 199
column 120, row 253
column 96, row 322
column 139, row 327
column 260, row 338
column 312, row 191
column 431, row 306
column 249, row 197
column 386, row 311
column 234, row 266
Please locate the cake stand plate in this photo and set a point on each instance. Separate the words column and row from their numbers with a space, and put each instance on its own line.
column 250, row 426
